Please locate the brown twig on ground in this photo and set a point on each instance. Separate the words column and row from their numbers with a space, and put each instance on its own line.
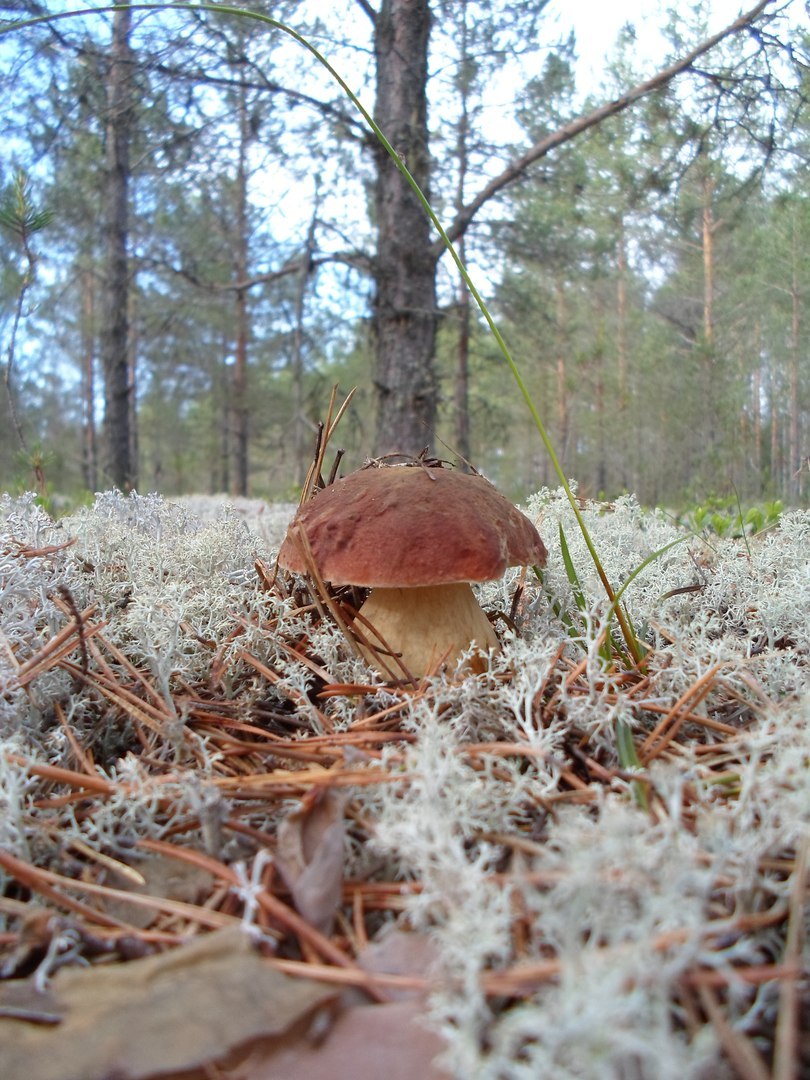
column 253, row 740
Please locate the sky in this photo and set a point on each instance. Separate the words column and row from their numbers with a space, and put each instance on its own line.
column 597, row 24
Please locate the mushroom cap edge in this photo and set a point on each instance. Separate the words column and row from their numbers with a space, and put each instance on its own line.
column 399, row 526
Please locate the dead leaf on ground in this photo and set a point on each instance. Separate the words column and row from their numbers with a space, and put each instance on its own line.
column 170, row 879
column 400, row 952
column 364, row 1041
column 171, row 1012
column 310, row 857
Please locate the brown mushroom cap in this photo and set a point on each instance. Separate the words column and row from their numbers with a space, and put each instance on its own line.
column 403, row 526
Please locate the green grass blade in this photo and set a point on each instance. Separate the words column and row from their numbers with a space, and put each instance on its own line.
column 640, row 568
column 570, row 571
column 628, row 759
column 267, row 20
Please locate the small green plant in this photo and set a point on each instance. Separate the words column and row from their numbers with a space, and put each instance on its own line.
column 35, row 460
column 20, row 217
column 726, row 518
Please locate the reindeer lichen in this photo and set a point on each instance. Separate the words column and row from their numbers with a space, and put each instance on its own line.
column 590, row 913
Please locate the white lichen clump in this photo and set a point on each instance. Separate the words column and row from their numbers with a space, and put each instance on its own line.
column 618, row 894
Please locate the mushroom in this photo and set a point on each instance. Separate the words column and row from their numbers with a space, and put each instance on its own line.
column 416, row 535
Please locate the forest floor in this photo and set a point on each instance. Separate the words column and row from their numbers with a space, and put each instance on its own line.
column 229, row 850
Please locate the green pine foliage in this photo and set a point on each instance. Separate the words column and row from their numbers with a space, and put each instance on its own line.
column 595, row 266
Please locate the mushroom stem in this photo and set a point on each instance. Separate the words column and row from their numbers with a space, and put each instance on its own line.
column 427, row 626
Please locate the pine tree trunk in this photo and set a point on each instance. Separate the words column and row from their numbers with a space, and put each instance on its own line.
column 241, row 412
column 241, row 415
column 625, row 442
column 563, row 414
column 463, row 445
column 793, row 456
column 405, row 315
column 132, row 390
column 88, row 387
column 709, row 226
column 776, row 432
column 221, row 479
column 115, row 325
column 756, row 411
column 711, row 374
column 301, row 433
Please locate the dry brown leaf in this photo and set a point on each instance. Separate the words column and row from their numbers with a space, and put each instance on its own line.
column 174, row 1011
column 365, row 1042
column 170, row 879
column 310, row 857
column 400, row 952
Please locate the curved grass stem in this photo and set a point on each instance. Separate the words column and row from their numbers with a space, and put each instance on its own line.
column 628, row 634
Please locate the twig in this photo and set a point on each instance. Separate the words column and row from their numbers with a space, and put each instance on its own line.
column 786, row 1043
column 747, row 1063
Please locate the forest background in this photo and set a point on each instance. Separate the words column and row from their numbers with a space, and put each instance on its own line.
column 201, row 238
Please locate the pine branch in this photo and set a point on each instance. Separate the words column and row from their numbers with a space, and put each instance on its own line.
column 570, row 131
column 356, row 259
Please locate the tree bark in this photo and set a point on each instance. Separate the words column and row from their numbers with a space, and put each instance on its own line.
column 88, row 381
column 221, row 478
column 563, row 415
column 302, row 433
column 626, row 469
column 463, row 445
column 776, row 478
column 794, row 348
column 709, row 226
column 115, row 327
column 405, row 312
column 405, row 315
column 756, row 409
column 241, row 411
column 132, row 389
column 462, row 383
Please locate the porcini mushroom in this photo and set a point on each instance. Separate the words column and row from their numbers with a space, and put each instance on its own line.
column 416, row 535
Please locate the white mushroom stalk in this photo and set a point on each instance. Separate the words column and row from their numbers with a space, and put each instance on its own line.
column 430, row 625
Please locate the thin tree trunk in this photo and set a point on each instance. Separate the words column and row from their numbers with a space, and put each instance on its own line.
column 709, row 226
column 241, row 416
column 302, row 435
column 711, row 406
column 463, row 445
column 793, row 464
column 563, row 415
column 600, row 412
column 756, row 408
column 222, row 383
column 625, row 442
column 115, row 327
column 405, row 315
column 756, row 393
column 776, row 455
column 462, row 382
column 132, row 391
column 621, row 318
column 241, row 412
column 88, row 387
